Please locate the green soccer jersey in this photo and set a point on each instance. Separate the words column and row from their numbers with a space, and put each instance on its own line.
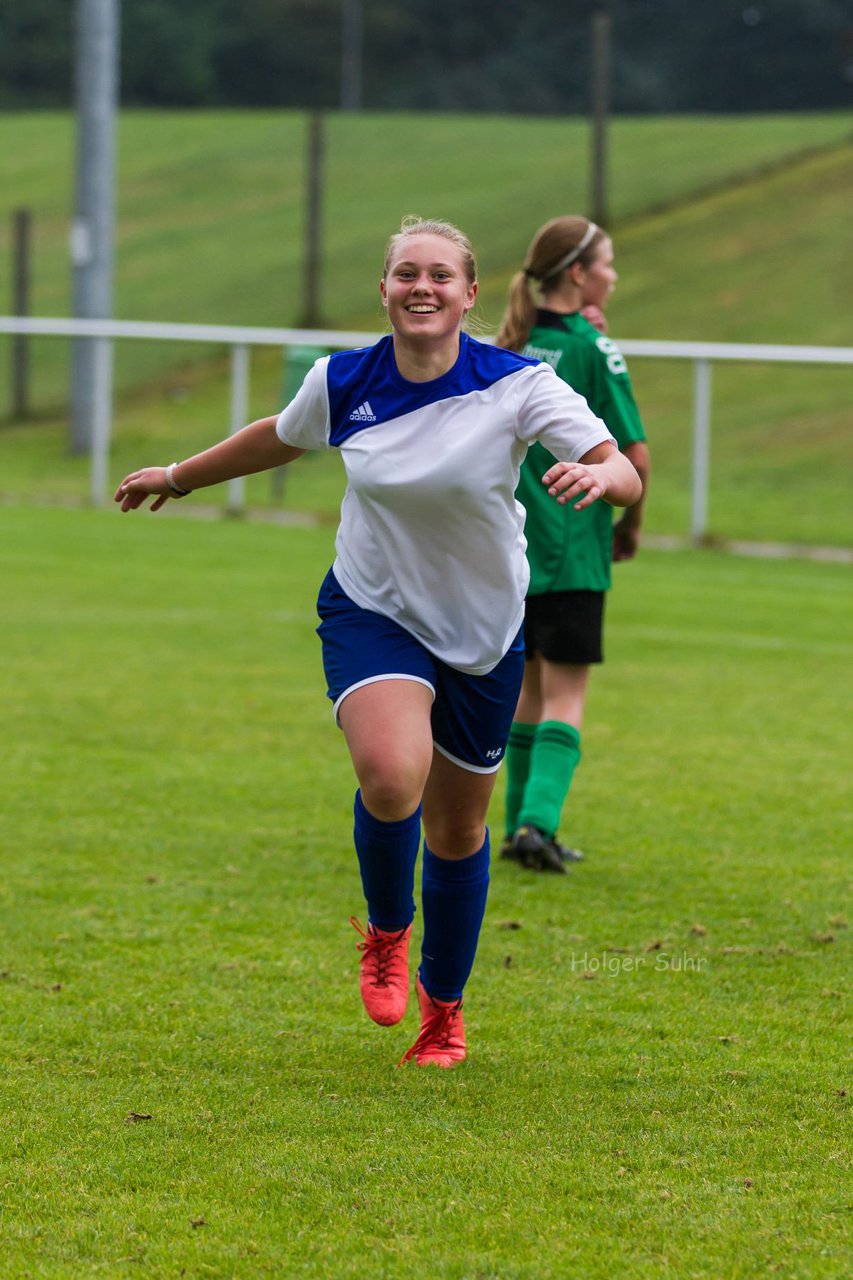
column 571, row 550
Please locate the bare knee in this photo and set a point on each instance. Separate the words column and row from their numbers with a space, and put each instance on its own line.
column 456, row 801
column 388, row 732
column 450, row 837
column 391, row 788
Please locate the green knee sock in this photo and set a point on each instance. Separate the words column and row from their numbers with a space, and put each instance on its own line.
column 554, row 757
column 517, row 768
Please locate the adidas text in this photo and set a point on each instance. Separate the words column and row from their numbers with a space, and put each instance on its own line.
column 363, row 413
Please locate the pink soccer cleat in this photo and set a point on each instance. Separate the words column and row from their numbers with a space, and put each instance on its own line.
column 441, row 1041
column 384, row 972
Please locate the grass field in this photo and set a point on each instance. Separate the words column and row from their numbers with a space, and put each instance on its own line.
column 658, row 1080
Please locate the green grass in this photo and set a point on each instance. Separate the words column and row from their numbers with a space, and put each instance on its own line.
column 658, row 1080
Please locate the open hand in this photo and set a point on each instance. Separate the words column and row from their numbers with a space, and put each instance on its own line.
column 139, row 485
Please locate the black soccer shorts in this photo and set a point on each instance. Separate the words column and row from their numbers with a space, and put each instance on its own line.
column 565, row 626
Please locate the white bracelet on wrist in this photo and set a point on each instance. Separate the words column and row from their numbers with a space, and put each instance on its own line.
column 173, row 484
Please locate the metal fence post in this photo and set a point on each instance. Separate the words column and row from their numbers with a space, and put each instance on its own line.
column 21, row 227
column 701, row 450
column 102, row 396
column 235, row 503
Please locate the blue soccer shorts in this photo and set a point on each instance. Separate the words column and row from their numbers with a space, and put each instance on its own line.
column 471, row 715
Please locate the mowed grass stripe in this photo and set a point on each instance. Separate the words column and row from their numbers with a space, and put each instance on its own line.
column 659, row 1059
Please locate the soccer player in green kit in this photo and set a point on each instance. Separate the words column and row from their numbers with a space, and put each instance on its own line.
column 570, row 261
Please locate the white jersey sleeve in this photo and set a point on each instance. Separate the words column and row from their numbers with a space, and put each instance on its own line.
column 304, row 423
column 551, row 412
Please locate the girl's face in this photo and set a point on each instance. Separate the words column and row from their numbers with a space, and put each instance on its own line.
column 598, row 280
column 425, row 290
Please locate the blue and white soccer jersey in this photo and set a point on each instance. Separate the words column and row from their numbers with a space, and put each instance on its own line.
column 431, row 535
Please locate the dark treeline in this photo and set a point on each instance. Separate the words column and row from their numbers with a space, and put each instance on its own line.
column 528, row 56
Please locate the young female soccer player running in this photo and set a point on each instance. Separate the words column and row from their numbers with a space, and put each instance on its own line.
column 421, row 611
column 569, row 549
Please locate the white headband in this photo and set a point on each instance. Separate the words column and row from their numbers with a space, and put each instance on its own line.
column 573, row 253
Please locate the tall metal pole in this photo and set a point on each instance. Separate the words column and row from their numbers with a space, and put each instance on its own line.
column 311, row 305
column 599, row 109
column 96, row 95
column 352, row 51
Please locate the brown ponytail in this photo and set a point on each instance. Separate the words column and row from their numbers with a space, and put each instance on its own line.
column 519, row 315
column 555, row 247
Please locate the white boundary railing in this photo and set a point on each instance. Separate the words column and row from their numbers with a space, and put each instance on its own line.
column 240, row 339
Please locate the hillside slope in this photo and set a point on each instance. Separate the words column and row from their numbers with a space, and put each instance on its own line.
column 762, row 258
column 210, row 205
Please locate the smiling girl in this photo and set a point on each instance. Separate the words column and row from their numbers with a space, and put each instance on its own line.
column 421, row 611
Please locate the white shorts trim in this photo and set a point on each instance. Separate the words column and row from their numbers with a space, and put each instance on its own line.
column 386, row 675
column 463, row 764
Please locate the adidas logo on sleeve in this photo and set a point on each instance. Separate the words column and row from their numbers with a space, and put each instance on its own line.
column 363, row 413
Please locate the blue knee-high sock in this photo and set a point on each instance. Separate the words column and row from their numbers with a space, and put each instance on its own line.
column 387, row 852
column 454, row 902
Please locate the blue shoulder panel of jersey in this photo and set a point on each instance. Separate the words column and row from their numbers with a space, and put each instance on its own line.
column 365, row 387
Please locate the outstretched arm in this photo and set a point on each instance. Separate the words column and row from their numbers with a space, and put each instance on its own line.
column 255, row 448
column 603, row 472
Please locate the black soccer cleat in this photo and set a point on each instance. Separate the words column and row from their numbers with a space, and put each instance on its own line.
column 534, row 850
